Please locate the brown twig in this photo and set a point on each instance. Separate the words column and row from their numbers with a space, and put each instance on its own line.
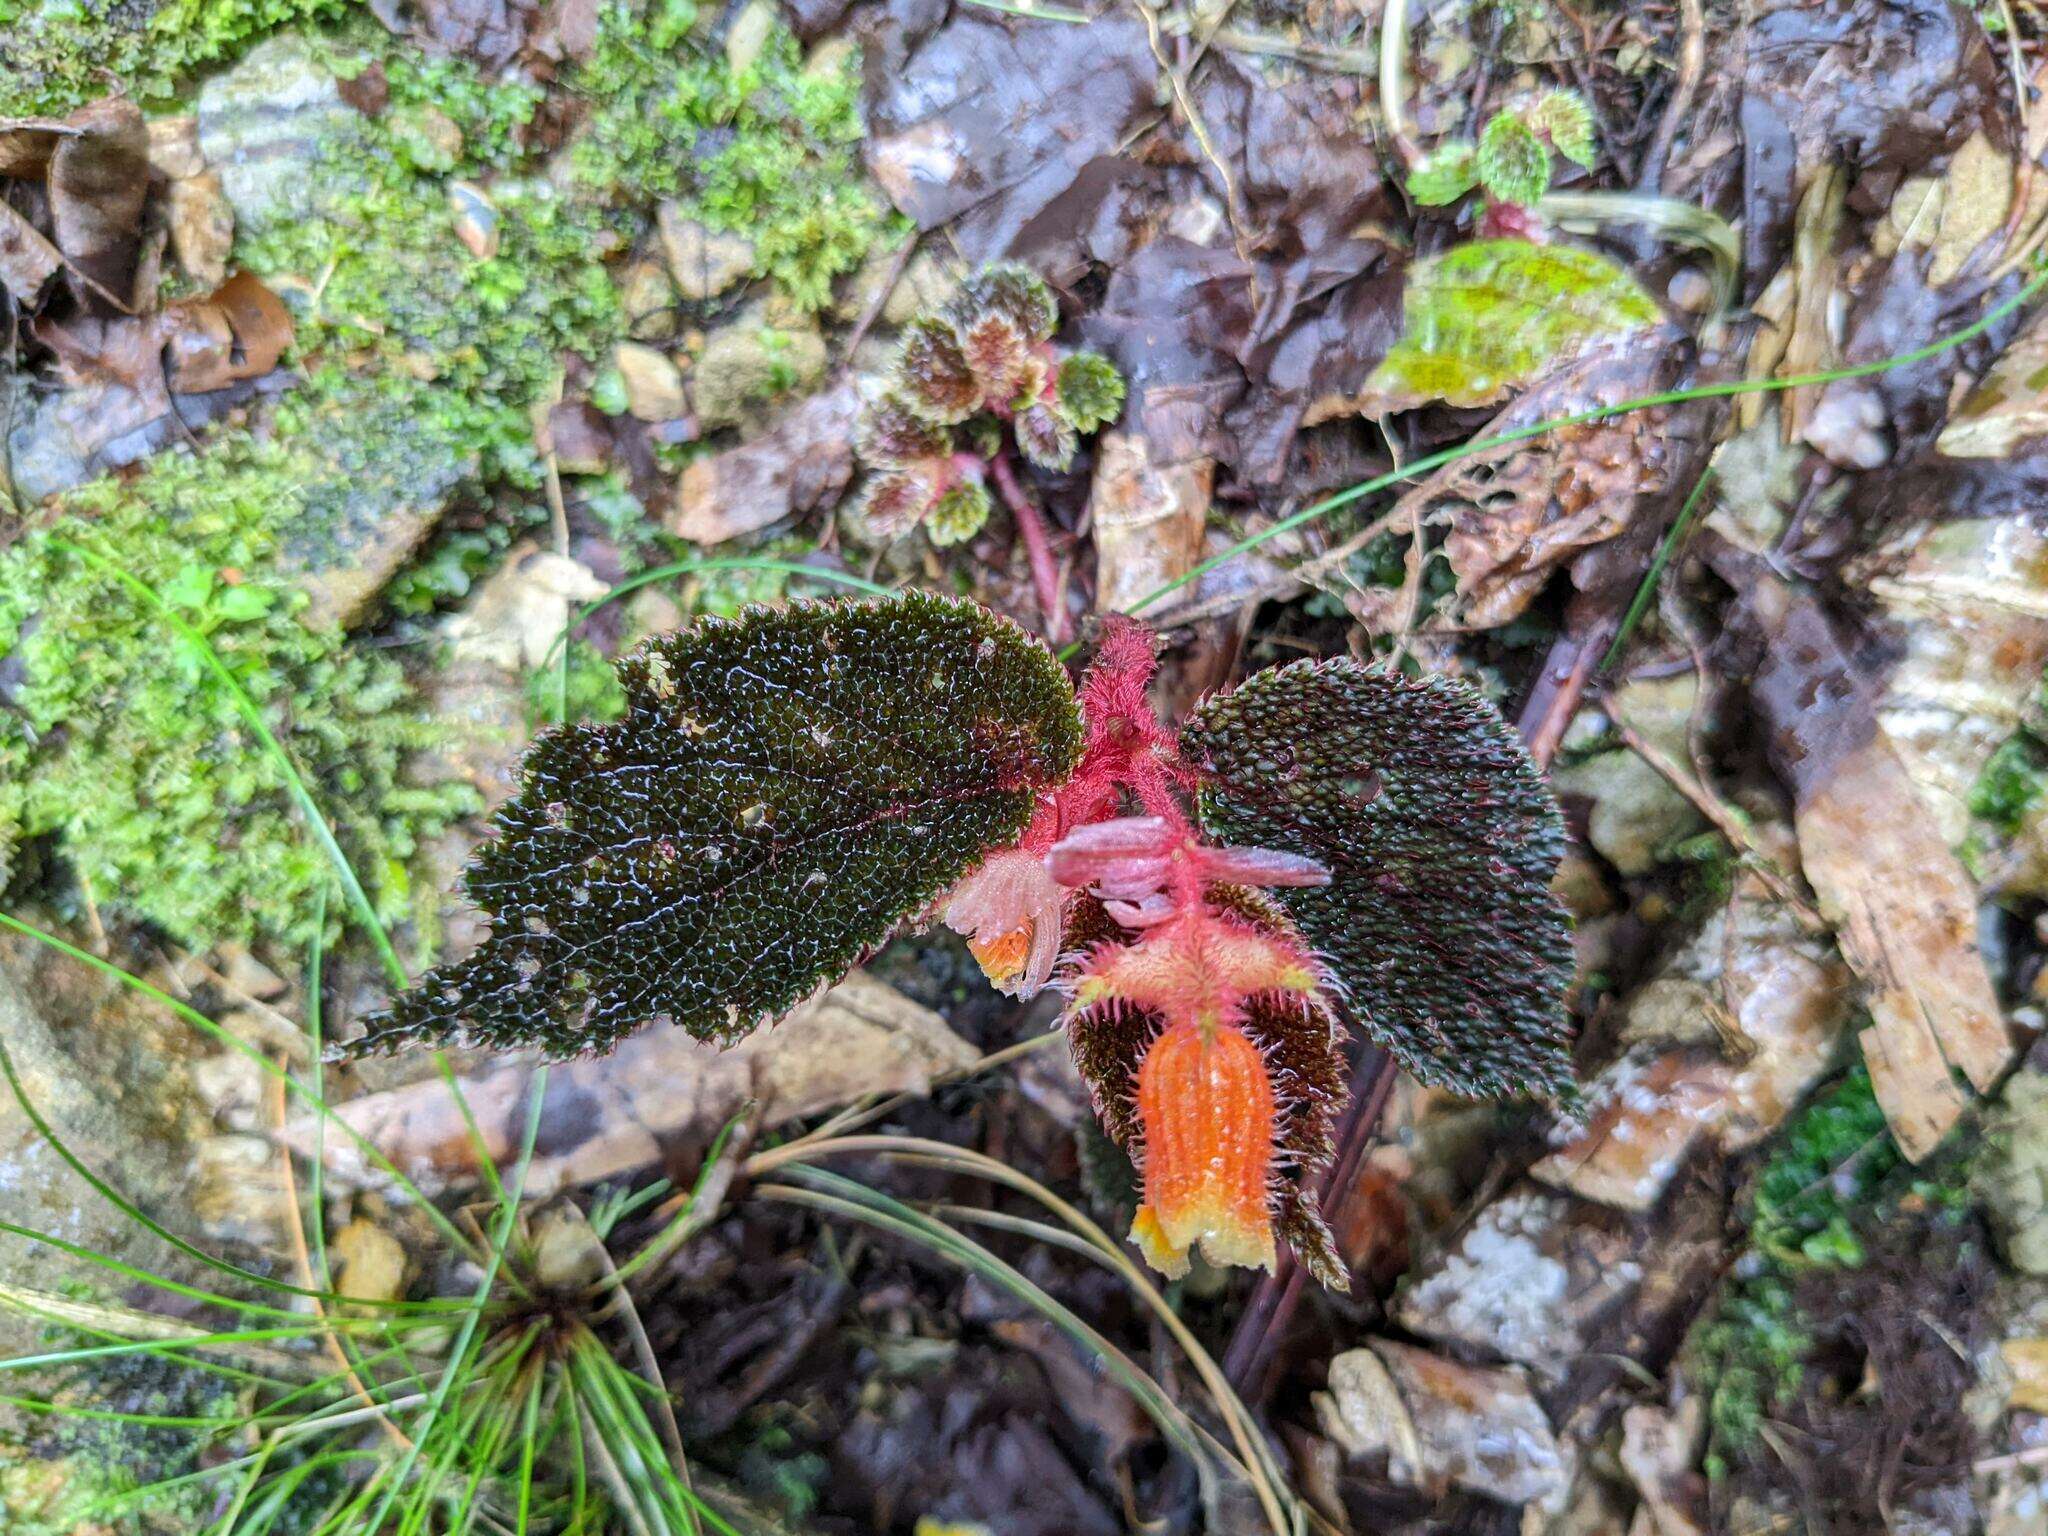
column 1037, row 544
column 1573, row 659
column 302, row 1261
column 1727, row 821
column 1692, row 62
column 879, row 302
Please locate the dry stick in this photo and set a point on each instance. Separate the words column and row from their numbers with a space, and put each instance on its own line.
column 650, row 1368
column 1031, row 527
column 880, row 301
column 1726, row 821
column 302, row 1261
column 1692, row 61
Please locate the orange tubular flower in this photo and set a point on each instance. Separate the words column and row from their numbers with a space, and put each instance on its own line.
column 1208, row 1131
column 1206, row 1103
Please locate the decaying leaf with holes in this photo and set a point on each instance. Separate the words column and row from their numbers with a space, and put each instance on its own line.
column 1496, row 315
column 785, row 790
column 1518, row 513
column 1441, row 839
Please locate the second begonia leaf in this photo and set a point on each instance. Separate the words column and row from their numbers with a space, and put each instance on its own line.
column 1441, row 838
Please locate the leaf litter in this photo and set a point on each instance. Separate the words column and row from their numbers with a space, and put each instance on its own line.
column 1220, row 219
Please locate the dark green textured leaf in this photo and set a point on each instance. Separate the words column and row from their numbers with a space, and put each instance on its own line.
column 1514, row 164
column 785, row 789
column 1445, row 174
column 1487, row 317
column 1442, row 839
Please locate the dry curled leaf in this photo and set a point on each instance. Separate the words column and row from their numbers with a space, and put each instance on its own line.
column 98, row 181
column 1903, row 907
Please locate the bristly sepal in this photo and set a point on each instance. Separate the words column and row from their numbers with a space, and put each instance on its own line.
column 784, row 791
column 1442, row 839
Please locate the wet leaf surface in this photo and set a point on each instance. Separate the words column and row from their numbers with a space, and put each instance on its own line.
column 785, row 790
column 1438, row 921
column 1495, row 315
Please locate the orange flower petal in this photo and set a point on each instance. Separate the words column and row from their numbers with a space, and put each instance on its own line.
column 1205, row 1103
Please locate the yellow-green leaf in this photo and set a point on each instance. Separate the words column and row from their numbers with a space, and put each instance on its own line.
column 1491, row 316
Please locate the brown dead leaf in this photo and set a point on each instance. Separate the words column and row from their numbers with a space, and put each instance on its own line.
column 2009, row 404
column 1151, row 505
column 1903, row 907
column 239, row 331
column 801, row 462
column 1518, row 513
column 659, row 1090
column 1906, row 914
column 26, row 144
column 98, row 181
column 27, row 260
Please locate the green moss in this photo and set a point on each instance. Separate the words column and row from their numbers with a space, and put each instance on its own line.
column 1811, row 1200
column 118, row 738
column 2011, row 783
column 57, row 54
column 766, row 151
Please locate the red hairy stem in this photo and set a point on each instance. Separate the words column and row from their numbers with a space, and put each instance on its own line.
column 1037, row 546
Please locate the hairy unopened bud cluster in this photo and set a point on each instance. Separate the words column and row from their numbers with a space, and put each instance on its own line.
column 979, row 368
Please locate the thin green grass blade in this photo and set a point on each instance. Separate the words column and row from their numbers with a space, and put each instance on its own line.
column 459, row 1353
column 214, row 1032
column 132, row 1212
column 1646, row 589
column 847, row 1198
column 1437, row 460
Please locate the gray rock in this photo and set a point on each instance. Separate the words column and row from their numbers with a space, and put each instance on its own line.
column 272, row 127
column 2013, row 1177
column 648, row 300
column 704, row 262
column 110, row 1079
column 1636, row 815
column 654, row 385
column 925, row 283
column 749, row 34
column 379, row 479
column 759, row 354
